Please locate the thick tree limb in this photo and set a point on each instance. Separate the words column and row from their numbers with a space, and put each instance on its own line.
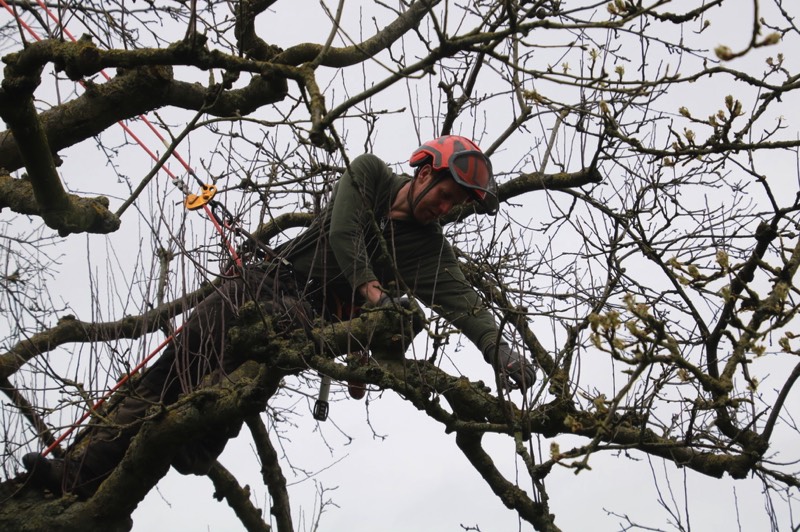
column 524, row 183
column 238, row 498
column 248, row 41
column 68, row 214
column 272, row 474
column 131, row 93
column 151, row 451
column 68, row 330
column 511, row 494
column 134, row 92
column 474, row 411
column 351, row 55
column 556, row 181
column 148, row 458
column 17, row 194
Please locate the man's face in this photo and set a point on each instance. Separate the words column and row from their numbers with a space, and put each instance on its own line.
column 439, row 200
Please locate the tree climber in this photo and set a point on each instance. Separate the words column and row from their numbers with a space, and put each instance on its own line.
column 376, row 240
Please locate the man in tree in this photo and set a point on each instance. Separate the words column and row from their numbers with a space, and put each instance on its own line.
column 377, row 239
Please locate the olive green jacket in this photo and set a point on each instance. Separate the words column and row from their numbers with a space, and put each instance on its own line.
column 353, row 242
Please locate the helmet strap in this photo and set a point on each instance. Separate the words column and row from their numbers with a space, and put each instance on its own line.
column 414, row 201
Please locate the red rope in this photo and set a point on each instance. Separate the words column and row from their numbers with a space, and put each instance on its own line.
column 110, row 392
column 166, row 169
column 125, row 127
column 21, row 22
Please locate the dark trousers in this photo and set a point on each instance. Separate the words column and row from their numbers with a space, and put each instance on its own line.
column 198, row 351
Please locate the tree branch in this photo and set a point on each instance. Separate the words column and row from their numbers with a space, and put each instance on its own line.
column 68, row 330
column 226, row 486
column 272, row 474
column 68, row 214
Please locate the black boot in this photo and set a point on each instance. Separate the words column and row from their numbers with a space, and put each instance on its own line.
column 45, row 474
column 198, row 457
column 60, row 476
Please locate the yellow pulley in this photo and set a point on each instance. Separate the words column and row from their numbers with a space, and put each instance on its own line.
column 195, row 201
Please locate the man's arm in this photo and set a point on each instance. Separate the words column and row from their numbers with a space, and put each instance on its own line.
column 441, row 284
column 353, row 206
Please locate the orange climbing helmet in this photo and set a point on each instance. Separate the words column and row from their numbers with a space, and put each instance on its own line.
column 467, row 165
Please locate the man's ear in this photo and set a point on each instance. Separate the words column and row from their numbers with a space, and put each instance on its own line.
column 425, row 174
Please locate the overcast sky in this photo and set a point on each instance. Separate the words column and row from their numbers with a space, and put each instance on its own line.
column 382, row 464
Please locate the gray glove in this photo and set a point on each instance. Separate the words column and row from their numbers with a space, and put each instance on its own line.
column 410, row 321
column 405, row 306
column 512, row 366
column 393, row 302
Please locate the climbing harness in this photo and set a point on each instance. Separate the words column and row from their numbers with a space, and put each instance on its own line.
column 203, row 200
column 222, row 220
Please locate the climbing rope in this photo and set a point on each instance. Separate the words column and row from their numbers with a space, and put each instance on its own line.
column 196, row 201
column 202, row 201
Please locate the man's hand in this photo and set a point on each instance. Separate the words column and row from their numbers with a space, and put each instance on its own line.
column 372, row 292
column 512, row 365
column 408, row 319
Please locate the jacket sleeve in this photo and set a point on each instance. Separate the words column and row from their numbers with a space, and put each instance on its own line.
column 439, row 283
column 354, row 203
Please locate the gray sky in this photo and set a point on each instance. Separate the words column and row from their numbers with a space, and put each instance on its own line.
column 414, row 478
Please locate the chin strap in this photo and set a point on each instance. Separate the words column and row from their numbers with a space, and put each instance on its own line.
column 412, row 203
